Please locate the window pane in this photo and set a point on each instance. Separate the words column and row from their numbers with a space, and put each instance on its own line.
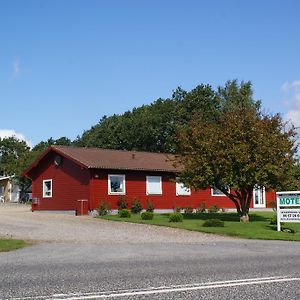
column 182, row 190
column 216, row 192
column 154, row 185
column 117, row 183
column 47, row 188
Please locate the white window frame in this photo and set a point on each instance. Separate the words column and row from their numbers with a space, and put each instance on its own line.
column 110, row 192
column 147, row 185
column 262, row 196
column 44, row 188
column 218, row 195
column 182, row 190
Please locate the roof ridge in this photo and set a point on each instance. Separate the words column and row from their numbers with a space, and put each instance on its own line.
column 114, row 150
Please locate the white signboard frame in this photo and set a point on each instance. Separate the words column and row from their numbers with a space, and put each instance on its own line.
column 287, row 214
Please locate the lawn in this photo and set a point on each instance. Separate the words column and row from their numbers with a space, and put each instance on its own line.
column 258, row 228
column 11, row 244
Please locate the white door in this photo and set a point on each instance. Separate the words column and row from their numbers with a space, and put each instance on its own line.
column 259, row 197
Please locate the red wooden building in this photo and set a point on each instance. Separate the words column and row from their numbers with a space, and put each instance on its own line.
column 78, row 179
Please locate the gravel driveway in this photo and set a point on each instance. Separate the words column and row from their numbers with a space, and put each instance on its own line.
column 17, row 221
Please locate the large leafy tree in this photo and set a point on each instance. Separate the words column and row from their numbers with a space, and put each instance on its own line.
column 238, row 147
column 13, row 156
column 151, row 127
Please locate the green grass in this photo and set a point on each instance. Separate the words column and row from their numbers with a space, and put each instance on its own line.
column 258, row 228
column 11, row 244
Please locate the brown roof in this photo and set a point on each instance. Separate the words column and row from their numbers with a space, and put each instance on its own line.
column 97, row 158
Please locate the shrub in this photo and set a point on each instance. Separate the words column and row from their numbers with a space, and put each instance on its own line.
column 213, row 209
column 150, row 206
column 213, row 223
column 177, row 209
column 188, row 210
column 273, row 205
column 147, row 215
column 175, row 217
column 136, row 206
column 124, row 213
column 201, row 208
column 103, row 208
column 273, row 220
column 122, row 203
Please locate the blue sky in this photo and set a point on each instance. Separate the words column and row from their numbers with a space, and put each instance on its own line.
column 65, row 64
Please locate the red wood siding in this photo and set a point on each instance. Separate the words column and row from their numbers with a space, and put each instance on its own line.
column 70, row 182
column 136, row 188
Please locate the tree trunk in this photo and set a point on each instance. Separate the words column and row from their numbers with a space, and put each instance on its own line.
column 246, row 196
column 244, row 218
column 241, row 200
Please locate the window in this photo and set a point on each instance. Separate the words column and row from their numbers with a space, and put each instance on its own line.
column 116, row 184
column 47, row 188
column 153, row 185
column 216, row 192
column 181, row 189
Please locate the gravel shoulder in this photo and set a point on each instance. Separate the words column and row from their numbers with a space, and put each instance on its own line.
column 17, row 221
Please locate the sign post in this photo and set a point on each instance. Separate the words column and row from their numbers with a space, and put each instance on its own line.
column 288, row 200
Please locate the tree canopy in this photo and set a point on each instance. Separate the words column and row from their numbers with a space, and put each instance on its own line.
column 238, row 147
column 16, row 155
column 222, row 138
column 13, row 156
column 151, row 127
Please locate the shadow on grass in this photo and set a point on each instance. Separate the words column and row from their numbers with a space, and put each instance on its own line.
column 232, row 217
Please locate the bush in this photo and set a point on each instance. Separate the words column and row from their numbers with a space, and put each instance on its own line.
column 201, row 208
column 176, row 217
column 122, row 203
column 136, row 206
column 124, row 213
column 147, row 215
column 272, row 204
column 150, row 206
column 273, row 220
column 213, row 223
column 103, row 208
column 188, row 210
column 213, row 209
column 177, row 209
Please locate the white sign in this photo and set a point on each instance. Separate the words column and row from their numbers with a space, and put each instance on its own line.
column 290, row 215
column 288, row 199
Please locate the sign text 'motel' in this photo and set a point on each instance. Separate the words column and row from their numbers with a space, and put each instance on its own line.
column 289, row 201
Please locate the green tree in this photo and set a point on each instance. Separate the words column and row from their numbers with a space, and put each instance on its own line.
column 151, row 127
column 13, row 156
column 43, row 145
column 240, row 148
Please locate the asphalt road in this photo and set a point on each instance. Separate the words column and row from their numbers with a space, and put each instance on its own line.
column 83, row 258
column 236, row 269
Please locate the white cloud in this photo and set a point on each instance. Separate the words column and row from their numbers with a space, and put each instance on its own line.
column 290, row 87
column 5, row 133
column 16, row 67
column 285, row 87
column 293, row 116
column 291, row 92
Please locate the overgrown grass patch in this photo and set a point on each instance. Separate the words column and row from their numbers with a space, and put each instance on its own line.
column 258, row 228
column 11, row 244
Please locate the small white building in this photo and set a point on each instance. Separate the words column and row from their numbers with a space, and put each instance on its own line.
column 9, row 189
